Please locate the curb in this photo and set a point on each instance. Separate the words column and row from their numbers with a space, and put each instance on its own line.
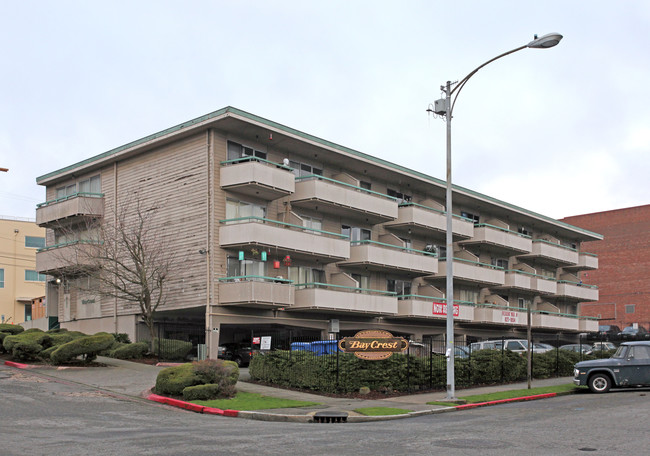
column 192, row 407
column 505, row 401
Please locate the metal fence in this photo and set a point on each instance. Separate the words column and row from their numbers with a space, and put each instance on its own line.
column 175, row 342
column 421, row 367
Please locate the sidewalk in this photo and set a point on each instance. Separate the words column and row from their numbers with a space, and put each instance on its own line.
column 136, row 380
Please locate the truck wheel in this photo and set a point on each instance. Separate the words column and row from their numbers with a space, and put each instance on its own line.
column 238, row 360
column 600, row 383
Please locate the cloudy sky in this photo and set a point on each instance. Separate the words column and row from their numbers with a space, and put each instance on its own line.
column 563, row 131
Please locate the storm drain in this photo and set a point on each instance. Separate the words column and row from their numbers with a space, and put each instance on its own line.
column 330, row 417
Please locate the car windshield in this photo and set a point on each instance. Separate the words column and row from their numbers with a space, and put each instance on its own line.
column 620, row 352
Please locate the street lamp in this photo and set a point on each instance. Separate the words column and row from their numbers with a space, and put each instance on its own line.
column 445, row 107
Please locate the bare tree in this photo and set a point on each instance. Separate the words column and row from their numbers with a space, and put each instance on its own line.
column 124, row 255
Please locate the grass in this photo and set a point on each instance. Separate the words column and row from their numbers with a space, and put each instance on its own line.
column 254, row 401
column 511, row 394
column 381, row 411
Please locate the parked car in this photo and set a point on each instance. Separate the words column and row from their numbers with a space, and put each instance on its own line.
column 605, row 332
column 632, row 333
column 547, row 347
column 239, row 353
column 459, row 352
column 514, row 345
column 628, row 367
column 578, row 348
column 603, row 346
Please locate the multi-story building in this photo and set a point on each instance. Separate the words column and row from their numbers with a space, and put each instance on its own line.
column 279, row 230
column 19, row 280
column 623, row 277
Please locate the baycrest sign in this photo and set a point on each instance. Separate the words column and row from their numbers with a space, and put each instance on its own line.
column 373, row 344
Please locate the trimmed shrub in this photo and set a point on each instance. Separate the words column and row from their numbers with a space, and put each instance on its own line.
column 129, row 351
column 171, row 349
column 122, row 337
column 173, row 380
column 11, row 329
column 27, row 345
column 88, row 347
column 209, row 391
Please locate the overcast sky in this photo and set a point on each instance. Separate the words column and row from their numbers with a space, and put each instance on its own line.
column 563, row 131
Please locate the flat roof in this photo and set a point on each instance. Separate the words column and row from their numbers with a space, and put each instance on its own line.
column 229, row 111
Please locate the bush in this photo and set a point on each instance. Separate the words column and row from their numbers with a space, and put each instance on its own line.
column 11, row 329
column 26, row 345
column 130, row 351
column 122, row 337
column 173, row 381
column 171, row 349
column 208, row 391
column 88, row 347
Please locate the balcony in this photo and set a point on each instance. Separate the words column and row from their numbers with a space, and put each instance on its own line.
column 377, row 256
column 501, row 239
column 522, row 280
column 588, row 324
column 470, row 272
column 552, row 253
column 549, row 320
column 328, row 298
column 257, row 177
column 82, row 204
column 576, row 291
column 430, row 308
column 586, row 261
column 70, row 257
column 501, row 315
column 256, row 292
column 426, row 221
column 283, row 238
column 343, row 200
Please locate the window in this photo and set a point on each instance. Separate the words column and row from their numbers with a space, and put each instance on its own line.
column 34, row 242
column 28, row 312
column 33, row 276
column 306, row 274
column 469, row 215
column 355, row 233
column 366, row 185
column 401, row 197
column 468, row 295
column 305, row 169
column 640, row 352
column 629, row 308
column 246, row 267
column 500, row 262
column 363, row 281
column 67, row 190
column 523, row 303
column 2, row 278
column 241, row 209
column 311, row 222
column 236, row 150
column 92, row 185
column 442, row 251
column 524, row 230
column 401, row 287
column 548, row 273
column 407, row 243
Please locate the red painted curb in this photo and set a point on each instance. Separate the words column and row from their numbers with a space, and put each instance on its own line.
column 192, row 407
column 17, row 365
column 504, row 401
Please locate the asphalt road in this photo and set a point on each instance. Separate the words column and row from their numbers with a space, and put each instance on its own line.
column 42, row 417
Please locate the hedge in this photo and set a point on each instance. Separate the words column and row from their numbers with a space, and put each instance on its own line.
column 88, row 347
column 171, row 349
column 173, row 381
column 27, row 345
column 130, row 351
column 11, row 329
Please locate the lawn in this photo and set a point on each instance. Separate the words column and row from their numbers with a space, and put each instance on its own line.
column 381, row 411
column 511, row 394
column 254, row 401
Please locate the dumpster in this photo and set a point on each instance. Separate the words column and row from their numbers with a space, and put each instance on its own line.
column 304, row 346
column 324, row 347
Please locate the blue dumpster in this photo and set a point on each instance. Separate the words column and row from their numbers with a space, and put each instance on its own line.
column 324, row 347
column 304, row 346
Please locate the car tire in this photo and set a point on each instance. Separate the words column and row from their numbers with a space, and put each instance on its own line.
column 238, row 361
column 600, row 383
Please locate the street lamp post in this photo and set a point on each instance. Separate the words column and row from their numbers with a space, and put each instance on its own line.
column 445, row 107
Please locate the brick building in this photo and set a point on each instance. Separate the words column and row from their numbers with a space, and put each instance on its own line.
column 623, row 274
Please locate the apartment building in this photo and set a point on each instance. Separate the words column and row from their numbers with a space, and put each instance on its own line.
column 278, row 230
column 623, row 276
column 20, row 283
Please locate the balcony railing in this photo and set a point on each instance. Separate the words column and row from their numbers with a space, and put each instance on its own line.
column 427, row 307
column 257, row 177
column 73, row 255
column 324, row 297
column 427, row 221
column 285, row 237
column 256, row 291
column 552, row 252
column 471, row 271
column 576, row 291
column 80, row 204
column 340, row 198
column 378, row 256
column 500, row 238
column 518, row 279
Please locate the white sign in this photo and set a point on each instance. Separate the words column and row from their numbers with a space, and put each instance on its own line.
column 508, row 316
column 266, row 343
